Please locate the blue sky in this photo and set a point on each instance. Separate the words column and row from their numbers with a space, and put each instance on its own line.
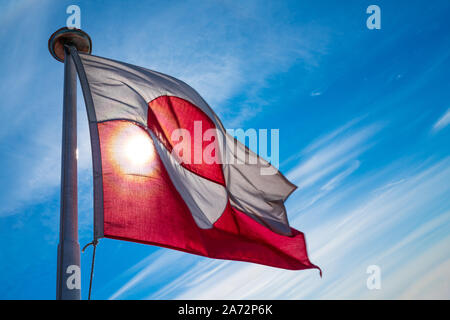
column 364, row 119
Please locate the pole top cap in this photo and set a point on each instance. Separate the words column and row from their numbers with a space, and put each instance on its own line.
column 75, row 37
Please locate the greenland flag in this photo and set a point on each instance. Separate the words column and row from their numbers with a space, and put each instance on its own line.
column 152, row 185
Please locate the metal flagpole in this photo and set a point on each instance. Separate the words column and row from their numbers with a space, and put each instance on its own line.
column 68, row 283
column 68, row 247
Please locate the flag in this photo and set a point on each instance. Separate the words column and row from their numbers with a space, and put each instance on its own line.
column 152, row 185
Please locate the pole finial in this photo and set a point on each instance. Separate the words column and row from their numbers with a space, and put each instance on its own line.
column 74, row 37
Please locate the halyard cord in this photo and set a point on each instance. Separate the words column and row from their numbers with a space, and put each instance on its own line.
column 94, row 244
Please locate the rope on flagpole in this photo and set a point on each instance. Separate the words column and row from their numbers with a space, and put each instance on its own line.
column 94, row 244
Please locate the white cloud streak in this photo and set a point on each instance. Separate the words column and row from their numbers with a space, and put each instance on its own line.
column 343, row 149
column 344, row 260
column 189, row 49
column 443, row 121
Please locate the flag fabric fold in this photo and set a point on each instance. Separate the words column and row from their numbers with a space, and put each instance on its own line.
column 152, row 185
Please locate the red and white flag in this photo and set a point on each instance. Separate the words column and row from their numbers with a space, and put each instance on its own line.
column 150, row 187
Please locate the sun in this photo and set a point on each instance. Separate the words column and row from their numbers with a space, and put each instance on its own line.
column 138, row 150
column 132, row 150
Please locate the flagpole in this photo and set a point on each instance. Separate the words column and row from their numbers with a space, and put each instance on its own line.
column 68, row 280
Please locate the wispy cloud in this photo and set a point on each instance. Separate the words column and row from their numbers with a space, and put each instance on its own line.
column 434, row 284
column 331, row 184
column 331, row 153
column 443, row 121
column 222, row 70
column 29, row 124
column 344, row 260
column 150, row 265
